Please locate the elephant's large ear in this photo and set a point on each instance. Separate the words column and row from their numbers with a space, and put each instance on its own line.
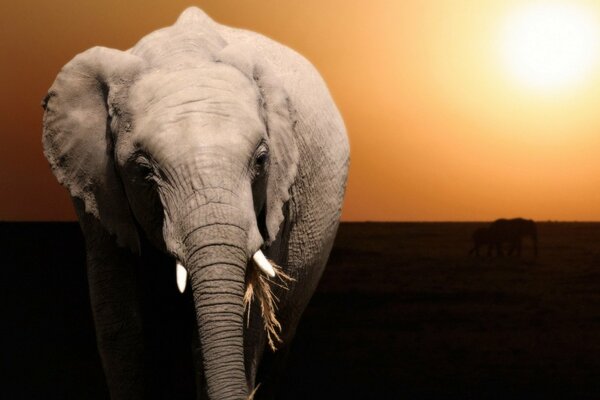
column 78, row 139
column 280, row 121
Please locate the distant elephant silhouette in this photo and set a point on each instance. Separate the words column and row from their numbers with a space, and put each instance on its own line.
column 505, row 231
column 481, row 237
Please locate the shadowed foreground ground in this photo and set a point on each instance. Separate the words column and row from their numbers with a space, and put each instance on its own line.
column 401, row 312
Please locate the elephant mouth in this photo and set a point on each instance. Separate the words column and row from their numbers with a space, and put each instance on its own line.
column 259, row 281
column 259, row 288
column 259, row 260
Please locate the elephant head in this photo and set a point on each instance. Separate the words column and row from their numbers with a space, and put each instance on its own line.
column 198, row 158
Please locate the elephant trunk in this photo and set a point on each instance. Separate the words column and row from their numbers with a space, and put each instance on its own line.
column 216, row 257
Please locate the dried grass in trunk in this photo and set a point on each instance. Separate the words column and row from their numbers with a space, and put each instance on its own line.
column 258, row 287
column 251, row 395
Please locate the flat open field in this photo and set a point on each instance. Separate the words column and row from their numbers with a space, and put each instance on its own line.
column 401, row 312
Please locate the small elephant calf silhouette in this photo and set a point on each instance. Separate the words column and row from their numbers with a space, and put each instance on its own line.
column 502, row 232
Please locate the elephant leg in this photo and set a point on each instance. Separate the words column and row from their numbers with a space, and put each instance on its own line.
column 272, row 370
column 169, row 329
column 118, row 327
column 114, row 297
column 274, row 364
column 511, row 249
column 499, row 250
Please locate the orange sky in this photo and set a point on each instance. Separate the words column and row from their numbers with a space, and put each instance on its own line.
column 438, row 127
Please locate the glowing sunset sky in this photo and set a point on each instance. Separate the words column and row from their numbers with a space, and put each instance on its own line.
column 456, row 109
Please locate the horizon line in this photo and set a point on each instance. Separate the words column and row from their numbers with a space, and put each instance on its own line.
column 366, row 221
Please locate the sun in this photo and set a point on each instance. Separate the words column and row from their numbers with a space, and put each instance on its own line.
column 549, row 45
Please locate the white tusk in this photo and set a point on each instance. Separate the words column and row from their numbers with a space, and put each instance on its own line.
column 263, row 264
column 181, row 276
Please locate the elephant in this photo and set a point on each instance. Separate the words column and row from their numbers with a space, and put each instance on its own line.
column 481, row 237
column 213, row 156
column 506, row 231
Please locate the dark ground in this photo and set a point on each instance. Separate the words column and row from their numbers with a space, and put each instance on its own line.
column 401, row 312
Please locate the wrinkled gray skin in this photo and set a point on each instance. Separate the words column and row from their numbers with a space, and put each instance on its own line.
column 209, row 143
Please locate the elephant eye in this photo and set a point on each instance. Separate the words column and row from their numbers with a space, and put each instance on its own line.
column 147, row 173
column 144, row 168
column 261, row 159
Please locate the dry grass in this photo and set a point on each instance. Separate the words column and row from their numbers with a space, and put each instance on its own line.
column 251, row 395
column 258, row 287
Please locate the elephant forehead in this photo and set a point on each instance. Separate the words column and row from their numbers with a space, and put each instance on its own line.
column 212, row 106
column 216, row 94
